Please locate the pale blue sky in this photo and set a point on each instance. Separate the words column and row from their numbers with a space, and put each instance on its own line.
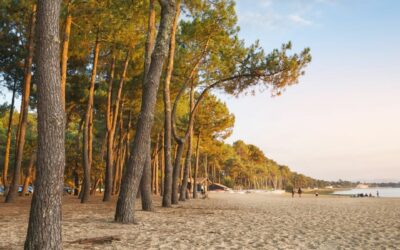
column 343, row 119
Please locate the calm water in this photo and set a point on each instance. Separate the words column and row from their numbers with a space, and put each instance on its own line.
column 383, row 192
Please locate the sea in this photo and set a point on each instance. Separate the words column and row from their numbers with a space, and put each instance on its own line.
column 383, row 192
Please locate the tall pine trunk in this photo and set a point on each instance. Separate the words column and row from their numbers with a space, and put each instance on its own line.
column 64, row 53
column 196, row 167
column 162, row 165
column 168, row 171
column 87, row 132
column 156, row 167
column 44, row 227
column 132, row 175
column 145, row 183
column 8, row 140
column 13, row 189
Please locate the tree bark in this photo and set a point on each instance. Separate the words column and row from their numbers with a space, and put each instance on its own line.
column 44, row 227
column 145, row 186
column 8, row 140
column 13, row 189
column 176, row 172
column 64, row 55
column 196, row 166
column 130, row 182
column 28, row 174
column 168, row 178
column 87, row 132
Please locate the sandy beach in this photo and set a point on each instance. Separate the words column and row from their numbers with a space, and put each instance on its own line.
column 235, row 221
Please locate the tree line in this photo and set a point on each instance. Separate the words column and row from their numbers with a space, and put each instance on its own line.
column 118, row 95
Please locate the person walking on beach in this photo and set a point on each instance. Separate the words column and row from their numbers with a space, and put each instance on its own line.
column 377, row 193
column 300, row 191
column 293, row 192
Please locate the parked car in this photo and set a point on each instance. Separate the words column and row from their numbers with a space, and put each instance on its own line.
column 68, row 190
column 29, row 191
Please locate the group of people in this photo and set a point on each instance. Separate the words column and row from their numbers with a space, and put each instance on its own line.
column 366, row 195
column 299, row 191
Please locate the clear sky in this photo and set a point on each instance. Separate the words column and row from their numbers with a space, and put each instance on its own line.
column 343, row 118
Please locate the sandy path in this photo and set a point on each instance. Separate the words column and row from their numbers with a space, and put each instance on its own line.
column 235, row 221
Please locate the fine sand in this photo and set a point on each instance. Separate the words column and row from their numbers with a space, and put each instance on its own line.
column 234, row 221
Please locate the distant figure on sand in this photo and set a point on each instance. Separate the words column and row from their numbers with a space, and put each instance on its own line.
column 316, row 194
column 299, row 191
column 293, row 192
column 377, row 193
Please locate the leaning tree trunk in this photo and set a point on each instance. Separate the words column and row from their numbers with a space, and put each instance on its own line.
column 44, row 227
column 133, row 171
column 168, row 178
column 188, row 159
column 8, row 140
column 196, row 167
column 87, row 131
column 12, row 193
column 29, row 174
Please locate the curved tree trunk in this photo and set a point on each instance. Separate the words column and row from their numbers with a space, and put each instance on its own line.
column 87, row 132
column 44, row 227
column 132, row 175
column 168, row 178
column 8, row 140
column 188, row 159
column 176, row 172
column 12, row 193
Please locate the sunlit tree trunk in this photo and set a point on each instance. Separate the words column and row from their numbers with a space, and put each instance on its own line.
column 140, row 147
column 8, row 139
column 13, row 189
column 64, row 55
column 87, row 132
column 44, row 227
